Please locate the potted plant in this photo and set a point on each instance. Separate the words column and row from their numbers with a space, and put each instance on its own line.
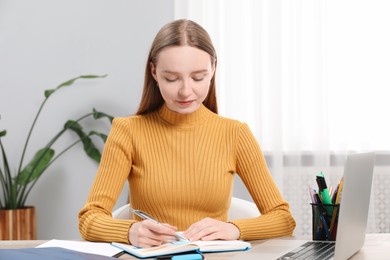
column 17, row 221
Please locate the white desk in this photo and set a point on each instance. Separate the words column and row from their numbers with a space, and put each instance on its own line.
column 376, row 247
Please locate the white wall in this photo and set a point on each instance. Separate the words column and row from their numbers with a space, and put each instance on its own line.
column 42, row 44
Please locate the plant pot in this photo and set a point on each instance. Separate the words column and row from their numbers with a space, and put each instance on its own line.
column 18, row 224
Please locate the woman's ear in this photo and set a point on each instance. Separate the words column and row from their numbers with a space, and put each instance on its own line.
column 153, row 70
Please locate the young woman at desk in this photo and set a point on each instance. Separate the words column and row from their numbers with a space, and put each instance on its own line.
column 179, row 156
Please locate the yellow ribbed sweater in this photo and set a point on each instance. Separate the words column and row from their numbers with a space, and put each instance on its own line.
column 180, row 169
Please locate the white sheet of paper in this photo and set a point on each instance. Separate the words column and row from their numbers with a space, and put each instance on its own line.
column 98, row 248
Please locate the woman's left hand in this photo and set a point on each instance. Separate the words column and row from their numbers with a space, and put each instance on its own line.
column 211, row 229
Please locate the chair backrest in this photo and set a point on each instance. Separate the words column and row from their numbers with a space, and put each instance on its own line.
column 238, row 209
column 122, row 213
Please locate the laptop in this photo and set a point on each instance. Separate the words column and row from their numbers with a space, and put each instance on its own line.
column 352, row 223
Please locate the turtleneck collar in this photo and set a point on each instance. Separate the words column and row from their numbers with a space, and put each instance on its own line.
column 174, row 118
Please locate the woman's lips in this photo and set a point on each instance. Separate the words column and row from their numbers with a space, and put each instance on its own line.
column 185, row 103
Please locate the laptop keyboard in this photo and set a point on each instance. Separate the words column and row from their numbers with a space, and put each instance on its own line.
column 311, row 250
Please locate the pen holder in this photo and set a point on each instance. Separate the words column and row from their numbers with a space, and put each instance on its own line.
column 324, row 220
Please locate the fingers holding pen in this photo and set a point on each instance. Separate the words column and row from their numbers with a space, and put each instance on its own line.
column 147, row 233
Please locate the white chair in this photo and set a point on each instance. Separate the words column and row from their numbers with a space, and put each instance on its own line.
column 238, row 209
column 122, row 212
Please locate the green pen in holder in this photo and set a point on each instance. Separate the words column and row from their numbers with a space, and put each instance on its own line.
column 324, row 193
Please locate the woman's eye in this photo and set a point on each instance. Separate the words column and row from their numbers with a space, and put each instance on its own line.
column 170, row 79
column 198, row 79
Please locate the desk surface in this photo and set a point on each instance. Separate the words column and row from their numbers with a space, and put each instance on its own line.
column 376, row 247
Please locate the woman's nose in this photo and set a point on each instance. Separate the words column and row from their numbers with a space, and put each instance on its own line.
column 185, row 89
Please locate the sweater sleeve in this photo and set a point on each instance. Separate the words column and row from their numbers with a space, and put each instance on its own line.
column 275, row 219
column 95, row 218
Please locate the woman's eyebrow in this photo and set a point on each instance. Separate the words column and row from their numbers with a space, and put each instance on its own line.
column 178, row 73
column 170, row 72
column 200, row 71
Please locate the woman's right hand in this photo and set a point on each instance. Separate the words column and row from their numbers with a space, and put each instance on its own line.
column 147, row 233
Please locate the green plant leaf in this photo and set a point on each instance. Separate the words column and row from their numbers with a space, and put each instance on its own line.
column 5, row 177
column 89, row 147
column 15, row 189
column 70, row 82
column 36, row 166
column 98, row 115
column 101, row 135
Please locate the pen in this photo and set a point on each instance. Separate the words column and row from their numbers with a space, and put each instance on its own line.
column 326, row 228
column 323, row 190
column 143, row 215
column 337, row 201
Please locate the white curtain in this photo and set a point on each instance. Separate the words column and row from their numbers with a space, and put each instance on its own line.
column 294, row 72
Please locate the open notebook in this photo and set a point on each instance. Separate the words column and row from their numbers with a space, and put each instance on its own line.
column 177, row 247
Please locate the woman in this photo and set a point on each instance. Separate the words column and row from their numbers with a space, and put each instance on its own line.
column 179, row 156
